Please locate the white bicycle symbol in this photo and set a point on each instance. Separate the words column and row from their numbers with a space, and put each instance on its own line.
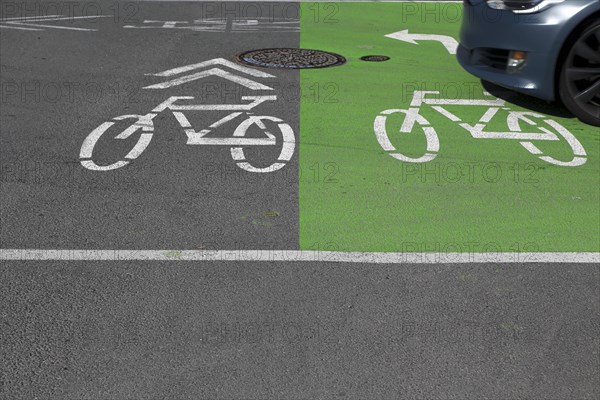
column 145, row 124
column 553, row 131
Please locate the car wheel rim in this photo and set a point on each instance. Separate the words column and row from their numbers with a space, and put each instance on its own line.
column 583, row 72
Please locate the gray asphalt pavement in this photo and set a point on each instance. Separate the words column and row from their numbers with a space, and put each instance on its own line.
column 133, row 330
column 224, row 329
column 59, row 85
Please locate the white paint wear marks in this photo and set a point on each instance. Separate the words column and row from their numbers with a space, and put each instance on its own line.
column 179, row 104
column 238, row 25
column 413, row 122
column 449, row 42
column 294, row 256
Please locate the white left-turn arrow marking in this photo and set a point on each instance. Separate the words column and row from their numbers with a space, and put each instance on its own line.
column 449, row 42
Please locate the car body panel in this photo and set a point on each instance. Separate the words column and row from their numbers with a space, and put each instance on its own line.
column 541, row 34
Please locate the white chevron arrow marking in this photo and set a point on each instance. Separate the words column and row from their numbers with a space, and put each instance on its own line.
column 249, row 83
column 209, row 63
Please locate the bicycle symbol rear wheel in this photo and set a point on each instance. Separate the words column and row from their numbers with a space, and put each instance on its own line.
column 579, row 155
column 411, row 116
column 143, row 123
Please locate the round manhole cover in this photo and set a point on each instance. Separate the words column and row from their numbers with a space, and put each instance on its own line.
column 290, row 58
column 375, row 58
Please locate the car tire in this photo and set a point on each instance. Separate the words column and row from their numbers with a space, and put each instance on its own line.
column 579, row 79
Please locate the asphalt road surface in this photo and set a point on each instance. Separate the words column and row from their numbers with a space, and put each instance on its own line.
column 127, row 329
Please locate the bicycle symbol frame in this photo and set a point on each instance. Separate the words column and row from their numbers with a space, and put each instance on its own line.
column 414, row 118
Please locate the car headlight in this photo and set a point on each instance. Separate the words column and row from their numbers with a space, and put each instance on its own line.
column 522, row 6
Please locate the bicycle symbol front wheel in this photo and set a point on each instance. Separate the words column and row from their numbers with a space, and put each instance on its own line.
column 286, row 138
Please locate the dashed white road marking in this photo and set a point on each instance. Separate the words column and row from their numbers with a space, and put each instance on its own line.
column 293, row 256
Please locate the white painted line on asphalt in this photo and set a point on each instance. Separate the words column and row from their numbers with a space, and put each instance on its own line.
column 34, row 18
column 21, row 22
column 70, row 28
column 19, row 27
column 293, row 256
column 50, row 18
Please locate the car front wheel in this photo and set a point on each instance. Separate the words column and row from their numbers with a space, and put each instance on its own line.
column 579, row 83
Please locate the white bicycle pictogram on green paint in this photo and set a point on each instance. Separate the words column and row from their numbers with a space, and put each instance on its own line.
column 549, row 130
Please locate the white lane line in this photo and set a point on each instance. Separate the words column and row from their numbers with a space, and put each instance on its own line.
column 52, row 26
column 50, row 18
column 19, row 27
column 293, row 255
column 22, row 22
column 33, row 18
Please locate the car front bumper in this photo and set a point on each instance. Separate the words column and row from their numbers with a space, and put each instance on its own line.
column 487, row 36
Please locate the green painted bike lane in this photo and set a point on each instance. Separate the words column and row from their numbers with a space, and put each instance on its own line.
column 477, row 195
